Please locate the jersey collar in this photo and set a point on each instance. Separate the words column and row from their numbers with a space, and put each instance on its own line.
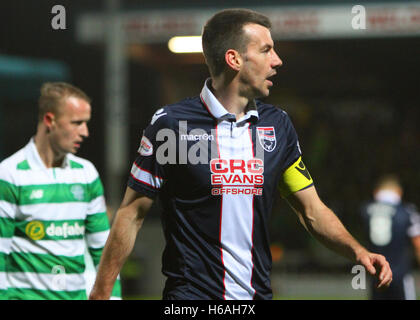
column 219, row 112
column 34, row 159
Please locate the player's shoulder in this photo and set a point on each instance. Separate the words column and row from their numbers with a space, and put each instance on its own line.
column 266, row 110
column 181, row 110
column 82, row 168
column 273, row 116
column 185, row 108
column 80, row 163
column 411, row 208
column 14, row 162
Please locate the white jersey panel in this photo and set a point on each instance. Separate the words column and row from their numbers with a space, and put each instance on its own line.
column 68, row 248
column 53, row 211
column 236, row 216
column 45, row 281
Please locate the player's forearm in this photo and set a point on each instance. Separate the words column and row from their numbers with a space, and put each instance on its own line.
column 118, row 247
column 325, row 226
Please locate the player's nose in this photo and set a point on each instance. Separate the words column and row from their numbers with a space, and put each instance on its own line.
column 84, row 131
column 276, row 61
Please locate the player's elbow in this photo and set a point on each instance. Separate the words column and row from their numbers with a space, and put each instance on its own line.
column 315, row 215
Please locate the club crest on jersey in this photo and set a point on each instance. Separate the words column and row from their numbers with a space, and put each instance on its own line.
column 267, row 138
column 146, row 147
column 78, row 192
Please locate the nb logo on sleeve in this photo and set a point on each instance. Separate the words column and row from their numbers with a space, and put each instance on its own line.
column 36, row 194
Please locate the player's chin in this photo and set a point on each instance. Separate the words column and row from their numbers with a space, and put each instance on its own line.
column 265, row 92
column 261, row 92
column 266, row 88
column 73, row 149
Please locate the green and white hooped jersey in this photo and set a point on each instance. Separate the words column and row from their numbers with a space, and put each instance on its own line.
column 48, row 218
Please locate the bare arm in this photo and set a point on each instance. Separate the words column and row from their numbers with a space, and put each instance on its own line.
column 416, row 245
column 325, row 226
column 120, row 243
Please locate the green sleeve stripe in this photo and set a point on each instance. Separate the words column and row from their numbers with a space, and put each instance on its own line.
column 116, row 291
column 44, row 263
column 97, row 222
column 7, row 227
column 96, row 253
column 3, row 294
column 8, row 192
column 96, row 189
column 33, row 294
column 2, row 261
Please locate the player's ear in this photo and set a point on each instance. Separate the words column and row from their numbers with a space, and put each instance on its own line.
column 233, row 59
column 48, row 119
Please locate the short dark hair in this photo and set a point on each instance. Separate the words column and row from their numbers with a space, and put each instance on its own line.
column 224, row 31
column 54, row 93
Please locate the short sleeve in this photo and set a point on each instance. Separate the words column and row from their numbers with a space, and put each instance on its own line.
column 295, row 176
column 8, row 204
column 293, row 151
column 147, row 174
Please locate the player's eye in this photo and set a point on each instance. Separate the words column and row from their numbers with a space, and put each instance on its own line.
column 267, row 50
column 78, row 123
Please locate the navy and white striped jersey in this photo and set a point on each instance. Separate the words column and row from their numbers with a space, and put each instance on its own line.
column 216, row 178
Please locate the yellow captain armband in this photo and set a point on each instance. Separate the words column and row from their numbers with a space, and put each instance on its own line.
column 295, row 178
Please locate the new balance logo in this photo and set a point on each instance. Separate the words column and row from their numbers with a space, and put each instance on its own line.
column 36, row 194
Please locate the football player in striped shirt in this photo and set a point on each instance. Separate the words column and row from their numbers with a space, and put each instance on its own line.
column 52, row 207
column 216, row 161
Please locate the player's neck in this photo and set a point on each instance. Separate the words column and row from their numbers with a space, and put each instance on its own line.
column 228, row 94
column 46, row 151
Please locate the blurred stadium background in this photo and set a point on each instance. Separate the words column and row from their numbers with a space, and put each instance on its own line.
column 353, row 96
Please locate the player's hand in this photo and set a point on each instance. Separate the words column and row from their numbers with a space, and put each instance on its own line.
column 378, row 266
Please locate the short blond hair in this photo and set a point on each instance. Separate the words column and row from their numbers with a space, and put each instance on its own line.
column 54, row 93
column 388, row 180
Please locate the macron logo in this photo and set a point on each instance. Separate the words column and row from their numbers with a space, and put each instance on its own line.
column 196, row 137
